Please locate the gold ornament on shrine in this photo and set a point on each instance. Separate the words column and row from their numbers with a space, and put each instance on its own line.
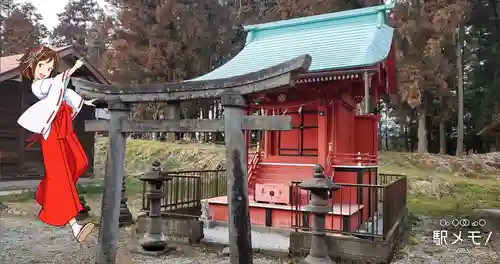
column 282, row 98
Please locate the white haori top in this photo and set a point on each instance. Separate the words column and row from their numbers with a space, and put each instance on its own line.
column 51, row 92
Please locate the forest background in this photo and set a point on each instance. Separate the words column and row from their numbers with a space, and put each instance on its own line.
column 448, row 57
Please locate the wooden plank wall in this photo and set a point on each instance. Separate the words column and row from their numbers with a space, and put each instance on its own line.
column 10, row 155
column 16, row 161
column 87, row 139
column 31, row 159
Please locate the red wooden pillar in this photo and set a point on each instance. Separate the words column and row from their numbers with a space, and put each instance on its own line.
column 375, row 94
column 247, row 136
column 333, row 115
column 322, row 133
column 267, row 138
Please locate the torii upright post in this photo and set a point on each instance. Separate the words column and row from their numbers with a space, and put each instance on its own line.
column 110, row 212
column 240, row 242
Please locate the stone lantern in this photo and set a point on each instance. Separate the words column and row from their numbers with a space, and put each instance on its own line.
column 320, row 188
column 154, row 240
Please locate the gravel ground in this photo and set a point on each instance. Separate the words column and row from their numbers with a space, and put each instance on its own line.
column 30, row 242
column 422, row 249
column 25, row 240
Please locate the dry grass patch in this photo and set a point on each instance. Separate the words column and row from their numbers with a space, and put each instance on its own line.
column 438, row 193
column 140, row 154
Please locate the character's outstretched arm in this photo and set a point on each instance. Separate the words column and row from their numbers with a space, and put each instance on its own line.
column 75, row 101
column 78, row 65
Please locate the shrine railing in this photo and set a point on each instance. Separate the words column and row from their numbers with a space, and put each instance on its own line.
column 185, row 190
column 380, row 208
column 359, row 159
column 252, row 165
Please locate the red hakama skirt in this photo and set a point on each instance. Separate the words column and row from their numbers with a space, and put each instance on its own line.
column 65, row 161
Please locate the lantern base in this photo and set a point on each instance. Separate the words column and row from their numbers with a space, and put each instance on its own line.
column 153, row 242
column 312, row 260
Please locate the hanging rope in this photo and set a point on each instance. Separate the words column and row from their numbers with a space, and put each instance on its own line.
column 277, row 110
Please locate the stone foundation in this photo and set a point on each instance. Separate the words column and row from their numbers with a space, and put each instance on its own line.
column 175, row 229
column 350, row 249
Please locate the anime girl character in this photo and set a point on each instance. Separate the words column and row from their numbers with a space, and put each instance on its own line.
column 50, row 119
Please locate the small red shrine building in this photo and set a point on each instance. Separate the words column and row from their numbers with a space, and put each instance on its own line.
column 334, row 121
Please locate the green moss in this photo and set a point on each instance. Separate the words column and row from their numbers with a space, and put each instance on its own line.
column 479, row 194
column 93, row 188
column 22, row 196
column 424, row 205
column 465, row 196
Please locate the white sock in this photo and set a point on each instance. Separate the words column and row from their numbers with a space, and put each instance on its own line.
column 76, row 228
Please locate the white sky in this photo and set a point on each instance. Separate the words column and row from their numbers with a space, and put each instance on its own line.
column 50, row 8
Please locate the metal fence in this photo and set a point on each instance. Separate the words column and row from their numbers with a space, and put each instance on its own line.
column 184, row 190
column 381, row 204
column 375, row 208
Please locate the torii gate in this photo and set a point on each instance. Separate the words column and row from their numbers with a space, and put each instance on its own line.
column 232, row 92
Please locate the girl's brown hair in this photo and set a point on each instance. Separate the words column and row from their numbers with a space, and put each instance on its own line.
column 30, row 60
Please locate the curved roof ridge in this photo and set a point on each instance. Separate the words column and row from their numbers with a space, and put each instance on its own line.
column 362, row 38
column 319, row 18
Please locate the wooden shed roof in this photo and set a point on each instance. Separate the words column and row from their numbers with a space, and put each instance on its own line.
column 492, row 129
column 9, row 64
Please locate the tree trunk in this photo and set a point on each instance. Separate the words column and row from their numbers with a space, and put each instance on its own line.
column 442, row 138
column 460, row 92
column 422, row 130
column 406, row 137
column 386, row 139
column 442, row 126
column 495, row 116
column 496, row 75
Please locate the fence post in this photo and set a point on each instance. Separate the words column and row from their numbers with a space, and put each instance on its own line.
column 173, row 112
column 217, row 183
column 240, row 242
column 113, row 183
column 385, row 211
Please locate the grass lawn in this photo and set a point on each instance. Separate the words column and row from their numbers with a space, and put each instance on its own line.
column 436, row 194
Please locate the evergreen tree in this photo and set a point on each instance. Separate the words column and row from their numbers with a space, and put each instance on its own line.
column 84, row 25
column 426, row 30
column 75, row 22
column 21, row 28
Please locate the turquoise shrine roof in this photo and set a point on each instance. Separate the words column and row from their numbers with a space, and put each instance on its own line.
column 340, row 40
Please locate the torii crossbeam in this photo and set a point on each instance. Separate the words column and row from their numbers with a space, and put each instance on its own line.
column 232, row 92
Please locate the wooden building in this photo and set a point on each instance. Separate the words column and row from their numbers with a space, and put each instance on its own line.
column 16, row 161
column 327, row 73
column 353, row 64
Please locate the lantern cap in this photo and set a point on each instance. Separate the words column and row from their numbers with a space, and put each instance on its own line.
column 318, row 181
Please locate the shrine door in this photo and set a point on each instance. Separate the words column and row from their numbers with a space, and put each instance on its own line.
column 302, row 140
